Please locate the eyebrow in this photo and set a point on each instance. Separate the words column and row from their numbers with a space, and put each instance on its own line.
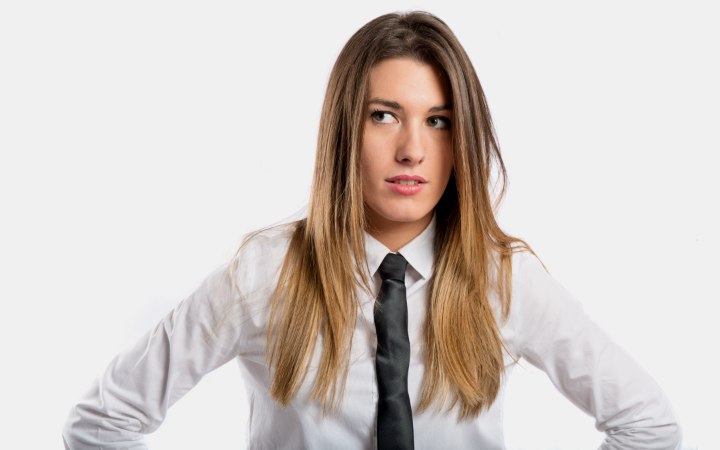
column 396, row 105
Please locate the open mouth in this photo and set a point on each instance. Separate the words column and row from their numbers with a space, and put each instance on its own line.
column 408, row 182
column 406, row 179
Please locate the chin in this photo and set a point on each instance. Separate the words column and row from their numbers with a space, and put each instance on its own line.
column 408, row 219
column 403, row 216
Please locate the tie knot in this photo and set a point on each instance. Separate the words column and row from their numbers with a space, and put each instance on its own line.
column 393, row 267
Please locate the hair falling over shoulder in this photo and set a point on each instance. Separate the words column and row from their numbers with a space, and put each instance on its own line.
column 316, row 298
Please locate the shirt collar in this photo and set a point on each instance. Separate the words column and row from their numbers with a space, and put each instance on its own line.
column 418, row 252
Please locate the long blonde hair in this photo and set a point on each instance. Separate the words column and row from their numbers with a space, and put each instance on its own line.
column 325, row 265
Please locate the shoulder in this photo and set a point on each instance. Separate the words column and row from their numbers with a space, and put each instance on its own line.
column 259, row 258
column 533, row 286
column 520, row 258
column 527, row 269
column 268, row 240
column 539, row 303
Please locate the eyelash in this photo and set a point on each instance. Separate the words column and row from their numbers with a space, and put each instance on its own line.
column 379, row 111
column 444, row 119
column 375, row 112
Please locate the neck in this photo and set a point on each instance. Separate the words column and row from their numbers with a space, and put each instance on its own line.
column 394, row 235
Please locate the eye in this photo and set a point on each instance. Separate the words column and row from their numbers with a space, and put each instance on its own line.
column 439, row 122
column 382, row 116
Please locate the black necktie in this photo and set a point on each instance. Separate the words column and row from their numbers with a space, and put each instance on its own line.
column 394, row 419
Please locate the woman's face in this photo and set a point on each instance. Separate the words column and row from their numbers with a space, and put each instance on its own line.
column 406, row 155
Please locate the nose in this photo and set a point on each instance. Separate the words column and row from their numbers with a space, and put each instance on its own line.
column 410, row 148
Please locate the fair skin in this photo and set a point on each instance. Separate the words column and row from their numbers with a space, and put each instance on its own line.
column 407, row 136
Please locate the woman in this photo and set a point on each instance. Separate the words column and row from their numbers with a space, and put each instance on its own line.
column 392, row 314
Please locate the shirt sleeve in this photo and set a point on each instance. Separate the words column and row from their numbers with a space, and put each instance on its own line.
column 555, row 335
column 133, row 395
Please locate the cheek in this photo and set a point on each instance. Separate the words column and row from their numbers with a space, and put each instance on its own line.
column 367, row 175
column 445, row 161
column 370, row 160
column 449, row 164
column 365, row 166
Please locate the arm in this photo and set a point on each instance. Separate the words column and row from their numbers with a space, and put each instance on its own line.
column 555, row 335
column 132, row 397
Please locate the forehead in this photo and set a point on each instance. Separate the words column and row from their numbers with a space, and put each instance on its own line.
column 408, row 82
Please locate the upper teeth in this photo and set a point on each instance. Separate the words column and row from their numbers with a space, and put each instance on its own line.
column 406, row 181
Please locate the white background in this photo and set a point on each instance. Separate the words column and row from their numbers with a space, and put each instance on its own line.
column 141, row 140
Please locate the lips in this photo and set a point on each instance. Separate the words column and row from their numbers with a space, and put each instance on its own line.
column 407, row 179
column 406, row 184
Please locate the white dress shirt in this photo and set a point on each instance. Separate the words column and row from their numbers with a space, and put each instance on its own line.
column 217, row 323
